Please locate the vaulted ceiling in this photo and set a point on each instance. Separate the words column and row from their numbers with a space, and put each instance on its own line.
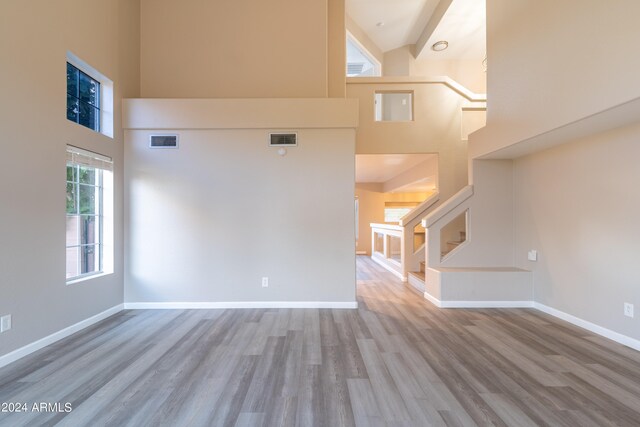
column 391, row 24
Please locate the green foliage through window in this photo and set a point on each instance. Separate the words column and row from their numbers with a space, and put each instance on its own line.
column 84, row 220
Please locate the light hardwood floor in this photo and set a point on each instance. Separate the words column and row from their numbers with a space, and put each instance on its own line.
column 396, row 361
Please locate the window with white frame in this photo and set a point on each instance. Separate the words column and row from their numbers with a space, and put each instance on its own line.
column 360, row 62
column 83, row 98
column 89, row 230
column 89, row 96
column 394, row 211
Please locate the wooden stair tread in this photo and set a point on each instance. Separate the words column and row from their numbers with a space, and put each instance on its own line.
column 418, row 274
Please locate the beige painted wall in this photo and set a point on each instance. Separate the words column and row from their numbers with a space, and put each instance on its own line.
column 232, row 210
column 397, row 62
column 435, row 129
column 234, row 49
column 469, row 73
column 574, row 203
column 425, row 173
column 553, row 62
column 490, row 232
column 577, row 204
column 336, row 49
column 34, row 39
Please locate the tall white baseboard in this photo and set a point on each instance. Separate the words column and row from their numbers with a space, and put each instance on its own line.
column 477, row 304
column 57, row 336
column 239, row 304
column 592, row 327
column 433, row 300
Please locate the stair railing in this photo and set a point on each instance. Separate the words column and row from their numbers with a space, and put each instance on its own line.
column 412, row 252
column 395, row 247
column 437, row 219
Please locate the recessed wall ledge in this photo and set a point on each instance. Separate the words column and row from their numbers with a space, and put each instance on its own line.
column 488, row 143
column 245, row 113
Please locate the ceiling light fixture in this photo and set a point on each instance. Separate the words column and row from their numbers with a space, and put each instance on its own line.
column 440, row 46
column 380, row 24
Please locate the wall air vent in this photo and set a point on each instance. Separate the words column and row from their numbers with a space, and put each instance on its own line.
column 283, row 139
column 163, row 141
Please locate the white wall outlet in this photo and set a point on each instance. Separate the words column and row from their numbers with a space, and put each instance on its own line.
column 532, row 255
column 265, row 282
column 628, row 309
column 5, row 323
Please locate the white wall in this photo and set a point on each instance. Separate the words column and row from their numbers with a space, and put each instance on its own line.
column 578, row 205
column 34, row 39
column 207, row 221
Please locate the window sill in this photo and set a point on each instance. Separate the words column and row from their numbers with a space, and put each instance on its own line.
column 85, row 278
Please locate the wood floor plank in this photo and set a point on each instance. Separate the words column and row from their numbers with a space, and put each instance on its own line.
column 390, row 402
column 395, row 361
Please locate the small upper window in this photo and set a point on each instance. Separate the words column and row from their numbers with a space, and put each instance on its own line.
column 89, row 96
column 83, row 98
column 360, row 63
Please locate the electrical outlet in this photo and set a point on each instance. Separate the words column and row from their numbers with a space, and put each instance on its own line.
column 628, row 309
column 5, row 323
column 265, row 282
column 532, row 255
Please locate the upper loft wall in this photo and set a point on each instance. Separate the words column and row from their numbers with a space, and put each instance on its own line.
column 234, row 49
column 469, row 73
column 553, row 62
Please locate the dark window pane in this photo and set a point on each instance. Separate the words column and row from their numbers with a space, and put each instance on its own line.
column 72, row 80
column 89, row 230
column 87, row 175
column 72, row 109
column 89, row 259
column 72, row 198
column 87, row 199
column 71, row 173
column 89, row 116
column 89, row 90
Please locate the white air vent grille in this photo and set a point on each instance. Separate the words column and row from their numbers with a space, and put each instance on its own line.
column 163, row 141
column 283, row 139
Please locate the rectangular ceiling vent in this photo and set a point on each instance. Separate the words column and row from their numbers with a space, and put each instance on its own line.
column 163, row 141
column 283, row 139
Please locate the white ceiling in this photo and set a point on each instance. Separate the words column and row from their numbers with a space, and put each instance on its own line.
column 463, row 25
column 380, row 168
column 403, row 20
